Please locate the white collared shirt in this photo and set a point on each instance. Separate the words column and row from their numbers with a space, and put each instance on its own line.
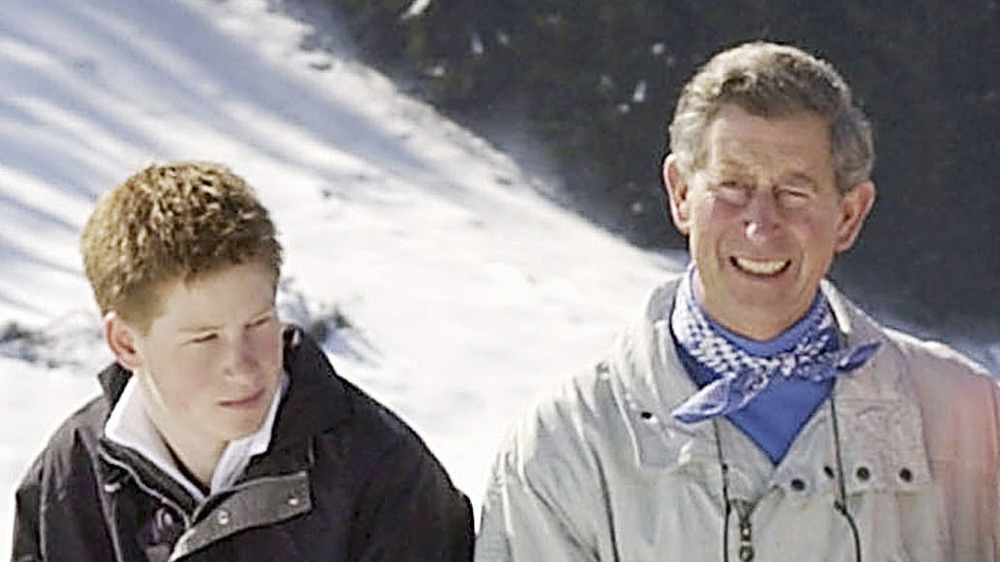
column 130, row 426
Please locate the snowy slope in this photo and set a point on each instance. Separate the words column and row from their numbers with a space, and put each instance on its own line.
column 466, row 291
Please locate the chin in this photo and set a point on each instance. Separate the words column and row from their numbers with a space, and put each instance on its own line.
column 238, row 429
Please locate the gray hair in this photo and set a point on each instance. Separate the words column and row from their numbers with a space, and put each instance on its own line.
column 772, row 80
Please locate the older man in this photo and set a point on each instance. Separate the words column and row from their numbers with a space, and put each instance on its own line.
column 753, row 412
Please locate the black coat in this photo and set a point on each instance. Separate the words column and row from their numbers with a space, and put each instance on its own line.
column 344, row 480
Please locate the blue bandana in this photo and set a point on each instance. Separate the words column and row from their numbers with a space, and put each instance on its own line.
column 741, row 375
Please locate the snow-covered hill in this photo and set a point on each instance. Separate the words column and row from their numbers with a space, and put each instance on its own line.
column 464, row 290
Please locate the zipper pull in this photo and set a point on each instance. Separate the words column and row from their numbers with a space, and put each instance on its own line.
column 743, row 509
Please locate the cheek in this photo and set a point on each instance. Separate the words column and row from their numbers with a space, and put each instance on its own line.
column 709, row 223
column 267, row 345
column 818, row 235
column 179, row 384
column 193, row 367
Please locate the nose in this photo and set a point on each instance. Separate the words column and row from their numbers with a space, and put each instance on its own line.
column 761, row 219
column 242, row 360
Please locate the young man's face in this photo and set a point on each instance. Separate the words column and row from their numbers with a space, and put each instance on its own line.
column 211, row 362
column 764, row 218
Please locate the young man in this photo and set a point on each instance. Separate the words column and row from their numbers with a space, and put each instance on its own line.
column 222, row 434
column 753, row 412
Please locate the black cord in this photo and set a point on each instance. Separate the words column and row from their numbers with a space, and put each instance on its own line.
column 724, row 468
column 840, row 504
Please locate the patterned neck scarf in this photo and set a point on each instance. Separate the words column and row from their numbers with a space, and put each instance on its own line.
column 814, row 355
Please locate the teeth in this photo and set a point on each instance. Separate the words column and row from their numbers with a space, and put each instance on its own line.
column 761, row 267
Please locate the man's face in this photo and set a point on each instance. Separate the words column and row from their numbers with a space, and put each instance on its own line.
column 211, row 362
column 763, row 218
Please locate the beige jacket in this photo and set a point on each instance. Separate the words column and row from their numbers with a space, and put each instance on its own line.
column 600, row 471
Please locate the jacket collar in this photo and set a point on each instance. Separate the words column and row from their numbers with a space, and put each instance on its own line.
column 317, row 402
column 877, row 411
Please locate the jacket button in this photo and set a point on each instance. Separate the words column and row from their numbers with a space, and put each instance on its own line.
column 863, row 473
column 222, row 517
column 906, row 475
column 294, row 501
column 828, row 471
column 164, row 519
column 798, row 484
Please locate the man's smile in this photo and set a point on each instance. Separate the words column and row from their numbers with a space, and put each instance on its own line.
column 761, row 267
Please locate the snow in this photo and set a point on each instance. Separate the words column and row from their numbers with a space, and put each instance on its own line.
column 465, row 291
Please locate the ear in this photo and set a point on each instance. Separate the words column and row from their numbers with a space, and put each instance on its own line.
column 676, row 185
column 854, row 206
column 122, row 339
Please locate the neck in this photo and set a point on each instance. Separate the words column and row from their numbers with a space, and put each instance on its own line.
column 199, row 461
column 198, row 454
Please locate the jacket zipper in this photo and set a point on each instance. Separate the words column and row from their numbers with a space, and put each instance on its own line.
column 149, row 490
column 743, row 511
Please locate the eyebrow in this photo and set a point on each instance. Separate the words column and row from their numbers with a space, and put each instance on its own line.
column 799, row 179
column 727, row 173
column 208, row 328
column 739, row 171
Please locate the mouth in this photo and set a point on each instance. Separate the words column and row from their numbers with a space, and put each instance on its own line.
column 761, row 268
column 244, row 402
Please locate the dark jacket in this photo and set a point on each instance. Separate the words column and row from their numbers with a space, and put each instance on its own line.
column 343, row 480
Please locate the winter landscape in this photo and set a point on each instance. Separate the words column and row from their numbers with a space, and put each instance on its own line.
column 442, row 281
